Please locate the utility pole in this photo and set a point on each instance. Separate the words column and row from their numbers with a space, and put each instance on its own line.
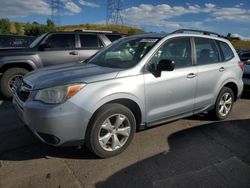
column 114, row 16
column 55, row 6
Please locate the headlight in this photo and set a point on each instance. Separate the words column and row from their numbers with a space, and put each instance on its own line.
column 59, row 94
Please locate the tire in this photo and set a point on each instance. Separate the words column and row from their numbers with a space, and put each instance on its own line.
column 219, row 112
column 99, row 128
column 8, row 75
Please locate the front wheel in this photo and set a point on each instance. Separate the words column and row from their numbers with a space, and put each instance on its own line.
column 10, row 79
column 224, row 104
column 111, row 130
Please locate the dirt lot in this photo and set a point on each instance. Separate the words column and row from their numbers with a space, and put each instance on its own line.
column 192, row 152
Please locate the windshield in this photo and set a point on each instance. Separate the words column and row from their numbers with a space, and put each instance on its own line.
column 125, row 53
column 35, row 42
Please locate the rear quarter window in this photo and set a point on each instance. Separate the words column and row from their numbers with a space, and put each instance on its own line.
column 90, row 41
column 227, row 53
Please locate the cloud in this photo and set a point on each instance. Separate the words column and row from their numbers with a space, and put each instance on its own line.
column 161, row 15
column 240, row 36
column 239, row 5
column 89, row 4
column 72, row 7
column 235, row 14
column 25, row 8
column 210, row 5
column 17, row 8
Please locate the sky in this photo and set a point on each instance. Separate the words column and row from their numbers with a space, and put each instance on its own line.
column 150, row 15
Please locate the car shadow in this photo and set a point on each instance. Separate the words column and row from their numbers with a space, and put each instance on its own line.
column 211, row 155
column 20, row 144
column 246, row 94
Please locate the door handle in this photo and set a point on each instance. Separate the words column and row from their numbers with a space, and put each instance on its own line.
column 221, row 69
column 73, row 53
column 191, row 75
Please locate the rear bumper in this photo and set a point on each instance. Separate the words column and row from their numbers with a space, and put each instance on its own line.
column 56, row 125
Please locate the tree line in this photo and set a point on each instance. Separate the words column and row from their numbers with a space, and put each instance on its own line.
column 30, row 29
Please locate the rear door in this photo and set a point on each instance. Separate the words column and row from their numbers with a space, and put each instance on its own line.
column 60, row 48
column 89, row 45
column 211, row 68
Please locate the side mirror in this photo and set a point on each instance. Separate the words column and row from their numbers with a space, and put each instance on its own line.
column 164, row 65
column 247, row 62
column 44, row 46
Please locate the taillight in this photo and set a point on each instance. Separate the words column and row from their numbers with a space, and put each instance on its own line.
column 241, row 65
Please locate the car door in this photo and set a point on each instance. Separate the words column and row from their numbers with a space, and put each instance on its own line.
column 58, row 49
column 89, row 45
column 210, row 71
column 171, row 94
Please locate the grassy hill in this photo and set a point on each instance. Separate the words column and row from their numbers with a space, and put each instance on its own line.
column 128, row 30
column 238, row 44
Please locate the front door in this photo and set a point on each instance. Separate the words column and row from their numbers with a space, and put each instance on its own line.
column 171, row 94
column 59, row 49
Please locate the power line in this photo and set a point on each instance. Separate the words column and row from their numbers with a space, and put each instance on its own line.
column 55, row 6
column 114, row 9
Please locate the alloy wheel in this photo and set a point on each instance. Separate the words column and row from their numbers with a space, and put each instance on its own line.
column 114, row 132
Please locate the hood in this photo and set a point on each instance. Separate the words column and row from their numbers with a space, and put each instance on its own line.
column 68, row 74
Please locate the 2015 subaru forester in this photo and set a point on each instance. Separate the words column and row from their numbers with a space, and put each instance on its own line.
column 139, row 81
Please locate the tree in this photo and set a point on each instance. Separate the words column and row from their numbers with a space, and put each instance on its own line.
column 50, row 23
column 18, row 29
column 4, row 26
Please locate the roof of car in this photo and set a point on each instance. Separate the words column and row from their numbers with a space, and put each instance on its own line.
column 184, row 32
column 88, row 32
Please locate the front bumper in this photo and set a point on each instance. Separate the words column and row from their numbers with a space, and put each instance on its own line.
column 63, row 124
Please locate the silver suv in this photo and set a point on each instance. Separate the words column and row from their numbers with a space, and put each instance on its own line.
column 137, row 82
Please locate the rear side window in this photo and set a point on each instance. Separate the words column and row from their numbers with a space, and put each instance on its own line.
column 113, row 38
column 227, row 53
column 206, row 51
column 61, row 41
column 90, row 40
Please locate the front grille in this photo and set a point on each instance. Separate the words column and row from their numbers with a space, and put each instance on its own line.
column 246, row 76
column 23, row 91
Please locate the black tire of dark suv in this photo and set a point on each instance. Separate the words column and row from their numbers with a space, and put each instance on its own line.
column 9, row 80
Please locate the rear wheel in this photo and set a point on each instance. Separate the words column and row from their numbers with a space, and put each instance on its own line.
column 111, row 130
column 224, row 104
column 10, row 79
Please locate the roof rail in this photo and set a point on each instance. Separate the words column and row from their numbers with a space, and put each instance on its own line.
column 94, row 31
column 197, row 31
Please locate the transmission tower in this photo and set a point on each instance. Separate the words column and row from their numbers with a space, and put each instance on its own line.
column 114, row 16
column 55, row 6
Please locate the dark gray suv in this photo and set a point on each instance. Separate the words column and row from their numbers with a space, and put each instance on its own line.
column 50, row 49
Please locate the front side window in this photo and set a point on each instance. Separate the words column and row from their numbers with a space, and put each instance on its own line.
column 227, row 53
column 206, row 51
column 61, row 41
column 91, row 41
column 124, row 54
column 177, row 50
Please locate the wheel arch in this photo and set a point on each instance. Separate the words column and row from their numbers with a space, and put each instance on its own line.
column 21, row 64
column 131, row 102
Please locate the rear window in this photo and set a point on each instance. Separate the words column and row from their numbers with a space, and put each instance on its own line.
column 227, row 53
column 206, row 51
column 113, row 38
column 90, row 41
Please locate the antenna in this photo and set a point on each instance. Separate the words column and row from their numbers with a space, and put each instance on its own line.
column 55, row 6
column 114, row 8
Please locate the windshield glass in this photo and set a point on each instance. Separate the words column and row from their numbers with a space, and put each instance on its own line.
column 35, row 42
column 125, row 53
